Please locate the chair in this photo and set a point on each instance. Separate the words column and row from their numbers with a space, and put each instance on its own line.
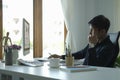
column 114, row 37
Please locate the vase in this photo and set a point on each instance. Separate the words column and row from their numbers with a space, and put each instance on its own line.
column 8, row 56
column 14, row 56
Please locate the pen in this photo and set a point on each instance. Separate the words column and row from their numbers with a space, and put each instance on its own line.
column 50, row 54
column 66, row 51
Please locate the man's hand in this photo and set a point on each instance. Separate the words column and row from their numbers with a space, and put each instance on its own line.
column 92, row 40
column 54, row 56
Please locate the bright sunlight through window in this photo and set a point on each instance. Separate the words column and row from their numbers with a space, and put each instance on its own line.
column 13, row 13
column 53, row 28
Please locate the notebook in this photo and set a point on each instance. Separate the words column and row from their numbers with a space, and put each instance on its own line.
column 79, row 68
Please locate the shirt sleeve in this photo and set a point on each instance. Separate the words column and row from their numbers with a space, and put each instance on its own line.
column 80, row 54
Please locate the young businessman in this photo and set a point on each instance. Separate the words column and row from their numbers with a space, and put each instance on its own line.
column 100, row 50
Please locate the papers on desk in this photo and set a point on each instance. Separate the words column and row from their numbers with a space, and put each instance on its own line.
column 43, row 59
column 33, row 63
column 79, row 68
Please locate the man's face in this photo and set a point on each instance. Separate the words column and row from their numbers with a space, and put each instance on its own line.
column 99, row 34
column 94, row 32
column 96, row 35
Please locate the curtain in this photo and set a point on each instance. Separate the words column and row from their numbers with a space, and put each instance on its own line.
column 70, row 40
column 74, row 14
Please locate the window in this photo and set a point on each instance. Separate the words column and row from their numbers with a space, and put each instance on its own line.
column 53, row 28
column 13, row 13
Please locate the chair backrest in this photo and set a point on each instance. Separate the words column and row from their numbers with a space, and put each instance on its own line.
column 114, row 37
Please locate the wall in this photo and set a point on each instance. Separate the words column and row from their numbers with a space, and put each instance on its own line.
column 110, row 8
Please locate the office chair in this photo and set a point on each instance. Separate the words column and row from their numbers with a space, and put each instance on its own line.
column 114, row 37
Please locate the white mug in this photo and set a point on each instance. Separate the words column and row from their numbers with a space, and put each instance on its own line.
column 54, row 62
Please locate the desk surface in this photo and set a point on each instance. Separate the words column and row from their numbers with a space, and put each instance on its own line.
column 55, row 73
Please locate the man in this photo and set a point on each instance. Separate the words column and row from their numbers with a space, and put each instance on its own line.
column 100, row 50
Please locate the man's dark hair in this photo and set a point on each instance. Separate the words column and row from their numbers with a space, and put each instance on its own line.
column 100, row 22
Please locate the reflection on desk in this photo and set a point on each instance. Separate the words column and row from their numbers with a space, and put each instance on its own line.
column 78, row 68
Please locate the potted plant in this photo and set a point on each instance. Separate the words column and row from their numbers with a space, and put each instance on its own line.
column 15, row 48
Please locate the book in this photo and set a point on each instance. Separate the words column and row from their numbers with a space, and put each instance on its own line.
column 79, row 68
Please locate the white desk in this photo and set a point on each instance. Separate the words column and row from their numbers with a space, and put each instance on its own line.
column 46, row 73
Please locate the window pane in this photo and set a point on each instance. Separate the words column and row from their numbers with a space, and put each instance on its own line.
column 13, row 13
column 53, row 28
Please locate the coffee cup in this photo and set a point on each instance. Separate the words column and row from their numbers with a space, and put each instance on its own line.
column 54, row 62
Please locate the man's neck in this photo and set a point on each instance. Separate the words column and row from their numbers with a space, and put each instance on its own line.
column 102, row 38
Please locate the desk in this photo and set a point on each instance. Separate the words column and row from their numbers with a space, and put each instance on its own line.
column 17, row 72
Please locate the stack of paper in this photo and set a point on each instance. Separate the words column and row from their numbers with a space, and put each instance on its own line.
column 79, row 68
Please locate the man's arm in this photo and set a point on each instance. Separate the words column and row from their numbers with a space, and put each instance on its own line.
column 80, row 54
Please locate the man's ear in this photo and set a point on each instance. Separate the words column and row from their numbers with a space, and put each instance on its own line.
column 103, row 31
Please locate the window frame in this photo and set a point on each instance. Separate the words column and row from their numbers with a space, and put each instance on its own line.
column 37, row 28
column 1, row 27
